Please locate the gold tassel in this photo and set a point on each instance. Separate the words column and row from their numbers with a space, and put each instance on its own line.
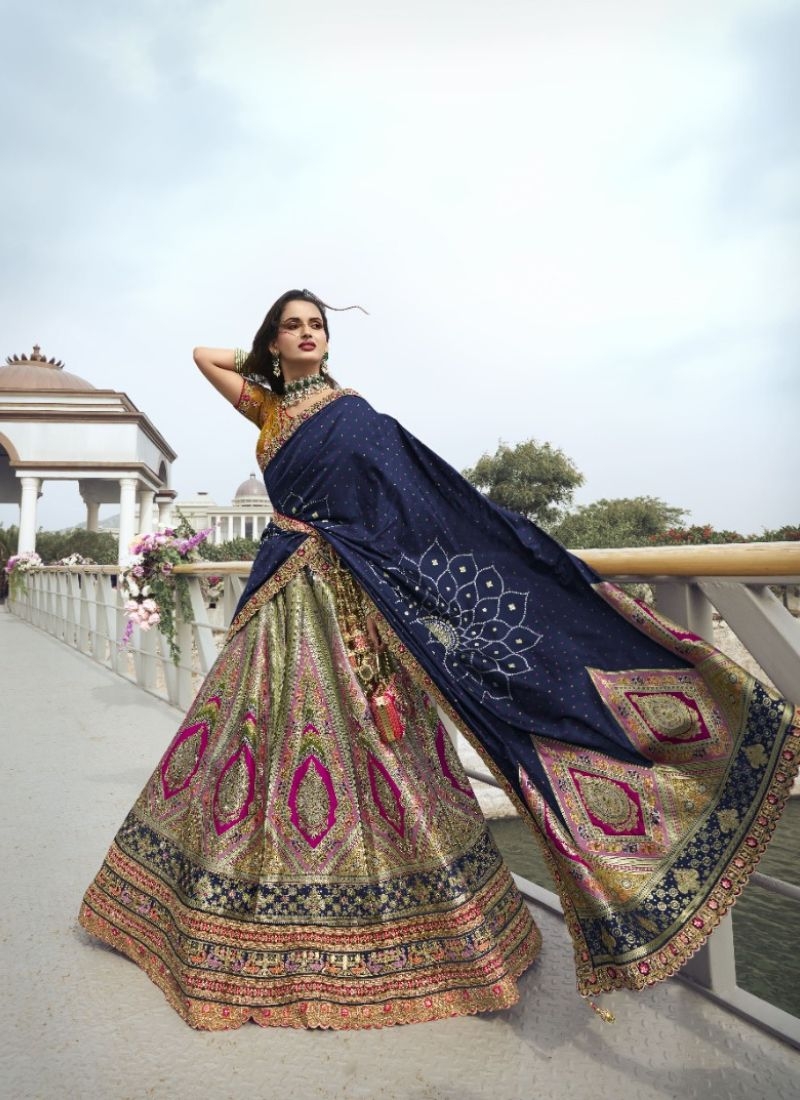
column 606, row 1016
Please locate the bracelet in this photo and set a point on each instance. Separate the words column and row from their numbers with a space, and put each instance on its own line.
column 240, row 357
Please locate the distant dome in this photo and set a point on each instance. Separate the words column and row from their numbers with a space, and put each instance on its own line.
column 36, row 372
column 253, row 487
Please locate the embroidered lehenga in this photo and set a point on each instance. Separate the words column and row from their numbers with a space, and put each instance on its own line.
column 297, row 861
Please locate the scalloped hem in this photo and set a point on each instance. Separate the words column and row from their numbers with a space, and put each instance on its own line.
column 309, row 1012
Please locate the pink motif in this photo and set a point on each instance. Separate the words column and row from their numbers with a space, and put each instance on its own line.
column 312, row 838
column 606, row 827
column 702, row 733
column 676, row 631
column 243, row 757
column 376, row 770
column 199, row 729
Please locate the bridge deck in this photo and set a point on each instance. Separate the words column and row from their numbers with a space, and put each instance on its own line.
column 80, row 1020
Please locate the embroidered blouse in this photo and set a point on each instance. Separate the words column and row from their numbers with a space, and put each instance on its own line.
column 277, row 424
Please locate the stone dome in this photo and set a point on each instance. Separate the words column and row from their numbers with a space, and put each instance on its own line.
column 36, row 372
column 253, row 487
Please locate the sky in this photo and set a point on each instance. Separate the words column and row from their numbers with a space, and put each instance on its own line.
column 577, row 222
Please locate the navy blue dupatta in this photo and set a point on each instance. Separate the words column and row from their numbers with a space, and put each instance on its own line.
column 498, row 614
column 652, row 768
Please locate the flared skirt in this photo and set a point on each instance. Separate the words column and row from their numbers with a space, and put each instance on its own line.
column 288, row 863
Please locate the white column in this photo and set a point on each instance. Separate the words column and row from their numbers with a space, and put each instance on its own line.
column 146, row 498
column 27, row 513
column 92, row 515
column 127, row 515
column 230, row 529
column 164, row 513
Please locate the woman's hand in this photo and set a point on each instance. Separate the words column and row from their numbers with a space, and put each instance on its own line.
column 217, row 365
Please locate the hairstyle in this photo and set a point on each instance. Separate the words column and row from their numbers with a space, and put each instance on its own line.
column 258, row 364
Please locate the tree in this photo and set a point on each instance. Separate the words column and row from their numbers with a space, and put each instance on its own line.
column 698, row 535
column 238, row 549
column 790, row 532
column 99, row 546
column 533, row 478
column 623, row 521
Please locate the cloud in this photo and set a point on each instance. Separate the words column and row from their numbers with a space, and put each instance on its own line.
column 575, row 221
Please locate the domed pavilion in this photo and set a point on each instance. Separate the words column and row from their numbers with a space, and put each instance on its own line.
column 56, row 426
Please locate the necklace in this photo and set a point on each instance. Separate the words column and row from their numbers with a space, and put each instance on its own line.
column 293, row 392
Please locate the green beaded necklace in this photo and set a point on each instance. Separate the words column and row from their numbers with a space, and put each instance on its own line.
column 301, row 387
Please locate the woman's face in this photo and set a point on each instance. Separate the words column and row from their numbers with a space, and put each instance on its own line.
column 301, row 340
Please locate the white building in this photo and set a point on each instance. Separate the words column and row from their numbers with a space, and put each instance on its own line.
column 56, row 426
column 245, row 517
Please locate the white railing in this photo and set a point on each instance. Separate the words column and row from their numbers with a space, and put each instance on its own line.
column 80, row 606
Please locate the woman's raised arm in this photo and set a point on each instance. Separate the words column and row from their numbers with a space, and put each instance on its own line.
column 217, row 364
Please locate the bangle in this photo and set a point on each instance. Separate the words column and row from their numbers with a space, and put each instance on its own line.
column 240, row 357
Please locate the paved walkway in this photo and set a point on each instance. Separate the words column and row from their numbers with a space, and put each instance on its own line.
column 81, row 1021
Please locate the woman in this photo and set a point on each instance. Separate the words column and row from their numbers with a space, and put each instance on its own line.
column 309, row 852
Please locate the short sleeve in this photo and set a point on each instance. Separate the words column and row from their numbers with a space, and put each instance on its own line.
column 253, row 402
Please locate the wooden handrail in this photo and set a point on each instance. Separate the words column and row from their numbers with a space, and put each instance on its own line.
column 738, row 559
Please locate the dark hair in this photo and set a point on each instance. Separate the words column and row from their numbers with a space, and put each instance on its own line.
column 258, row 364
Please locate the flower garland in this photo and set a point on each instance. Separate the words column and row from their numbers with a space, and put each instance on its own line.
column 151, row 590
column 75, row 559
column 18, row 567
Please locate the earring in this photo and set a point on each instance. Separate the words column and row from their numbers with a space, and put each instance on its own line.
column 276, row 365
column 323, row 367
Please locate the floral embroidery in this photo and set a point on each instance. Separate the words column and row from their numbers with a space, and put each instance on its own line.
column 468, row 613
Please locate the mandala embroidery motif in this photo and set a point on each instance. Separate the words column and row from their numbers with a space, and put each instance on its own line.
column 468, row 613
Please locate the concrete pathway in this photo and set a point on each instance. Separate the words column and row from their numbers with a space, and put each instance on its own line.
column 81, row 1021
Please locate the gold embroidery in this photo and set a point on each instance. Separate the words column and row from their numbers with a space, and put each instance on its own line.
column 756, row 756
column 252, row 401
column 668, row 715
column 313, row 803
column 181, row 762
column 608, row 801
column 688, row 882
column 233, row 789
column 728, row 820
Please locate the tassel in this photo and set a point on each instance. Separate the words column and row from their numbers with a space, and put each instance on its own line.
column 606, row 1016
column 387, row 714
